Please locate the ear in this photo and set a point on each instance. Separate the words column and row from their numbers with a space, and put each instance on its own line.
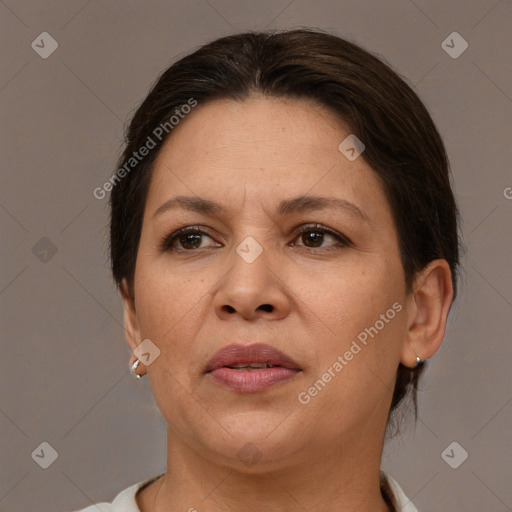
column 131, row 326
column 428, row 306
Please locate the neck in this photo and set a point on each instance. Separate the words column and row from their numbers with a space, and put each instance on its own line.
column 342, row 477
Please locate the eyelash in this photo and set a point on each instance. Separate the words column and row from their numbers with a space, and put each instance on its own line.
column 342, row 241
column 318, row 228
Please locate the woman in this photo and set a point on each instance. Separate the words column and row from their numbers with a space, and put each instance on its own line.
column 284, row 238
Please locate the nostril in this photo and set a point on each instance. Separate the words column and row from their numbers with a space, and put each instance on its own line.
column 264, row 307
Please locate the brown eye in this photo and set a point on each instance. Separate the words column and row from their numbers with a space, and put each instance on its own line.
column 188, row 239
column 317, row 236
column 312, row 238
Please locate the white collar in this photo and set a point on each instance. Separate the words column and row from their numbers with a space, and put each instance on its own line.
column 125, row 501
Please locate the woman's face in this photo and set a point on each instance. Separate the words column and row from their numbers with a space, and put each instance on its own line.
column 250, row 177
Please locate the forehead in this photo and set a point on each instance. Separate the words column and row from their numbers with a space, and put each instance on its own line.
column 236, row 130
column 269, row 148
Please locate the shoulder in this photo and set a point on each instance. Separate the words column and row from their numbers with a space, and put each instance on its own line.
column 124, row 502
column 403, row 503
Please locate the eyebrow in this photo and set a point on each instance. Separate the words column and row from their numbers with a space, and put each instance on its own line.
column 300, row 204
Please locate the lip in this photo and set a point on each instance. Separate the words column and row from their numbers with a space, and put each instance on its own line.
column 283, row 367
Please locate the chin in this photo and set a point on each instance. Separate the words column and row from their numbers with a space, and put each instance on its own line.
column 254, row 444
column 259, row 424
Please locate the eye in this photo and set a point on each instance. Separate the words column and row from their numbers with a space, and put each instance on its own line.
column 314, row 236
column 187, row 239
column 191, row 238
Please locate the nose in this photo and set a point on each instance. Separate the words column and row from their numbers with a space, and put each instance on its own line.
column 252, row 290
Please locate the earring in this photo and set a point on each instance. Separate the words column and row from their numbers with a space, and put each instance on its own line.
column 133, row 367
column 418, row 361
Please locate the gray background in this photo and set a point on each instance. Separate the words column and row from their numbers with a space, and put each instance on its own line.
column 63, row 363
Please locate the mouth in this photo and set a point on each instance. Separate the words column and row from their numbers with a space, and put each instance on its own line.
column 251, row 368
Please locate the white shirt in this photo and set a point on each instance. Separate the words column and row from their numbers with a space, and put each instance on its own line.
column 125, row 500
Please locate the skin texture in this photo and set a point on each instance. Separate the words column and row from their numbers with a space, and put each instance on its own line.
column 247, row 157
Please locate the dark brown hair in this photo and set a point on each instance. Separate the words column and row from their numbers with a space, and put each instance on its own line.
column 402, row 143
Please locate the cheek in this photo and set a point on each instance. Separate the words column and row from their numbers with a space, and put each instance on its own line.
column 164, row 292
column 350, row 298
column 362, row 313
column 168, row 306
